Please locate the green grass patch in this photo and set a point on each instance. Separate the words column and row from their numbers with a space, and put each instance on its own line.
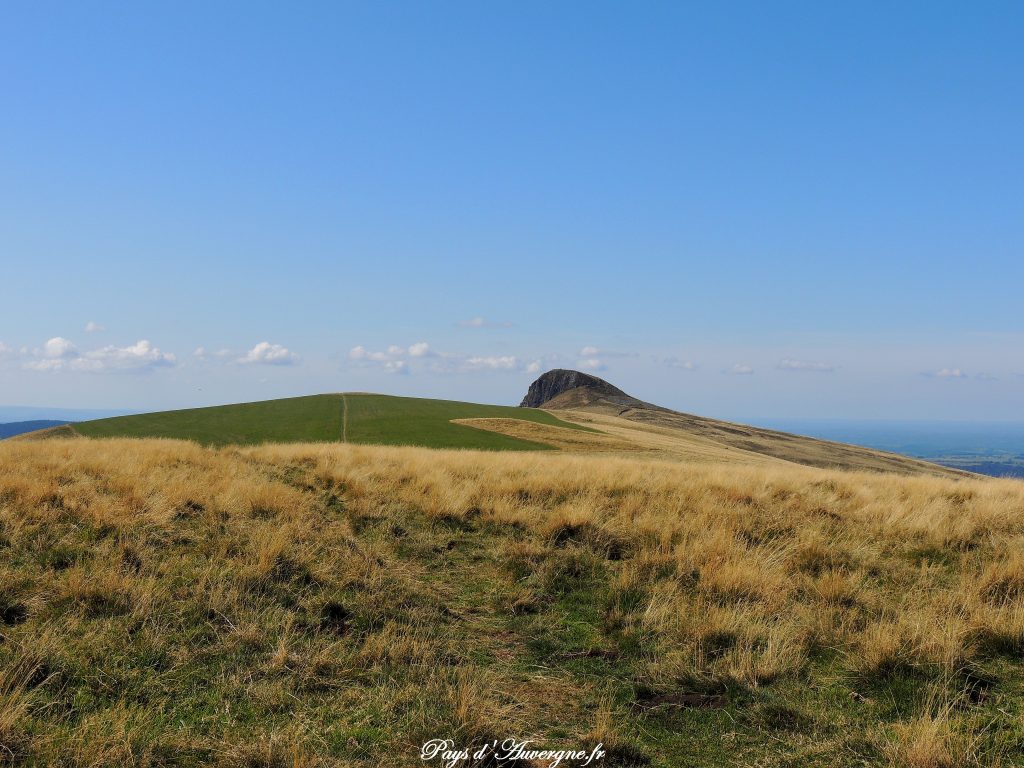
column 295, row 419
column 385, row 420
column 374, row 419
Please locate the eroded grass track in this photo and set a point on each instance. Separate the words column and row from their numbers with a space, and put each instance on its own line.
column 167, row 604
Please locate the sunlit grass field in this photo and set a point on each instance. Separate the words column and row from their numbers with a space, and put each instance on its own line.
column 162, row 603
column 355, row 418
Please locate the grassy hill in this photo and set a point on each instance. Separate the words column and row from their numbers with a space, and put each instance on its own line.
column 163, row 603
column 695, row 435
column 576, row 403
column 590, row 426
column 355, row 418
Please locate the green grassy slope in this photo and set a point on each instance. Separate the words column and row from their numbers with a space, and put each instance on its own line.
column 296, row 419
column 388, row 420
column 318, row 418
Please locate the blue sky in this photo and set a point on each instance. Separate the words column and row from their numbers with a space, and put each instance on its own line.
column 737, row 209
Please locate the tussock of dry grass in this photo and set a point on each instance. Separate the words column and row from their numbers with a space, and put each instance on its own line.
column 163, row 603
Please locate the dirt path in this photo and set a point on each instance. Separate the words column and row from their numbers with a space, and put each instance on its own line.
column 344, row 419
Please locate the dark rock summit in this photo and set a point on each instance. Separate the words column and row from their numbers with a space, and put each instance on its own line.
column 556, row 382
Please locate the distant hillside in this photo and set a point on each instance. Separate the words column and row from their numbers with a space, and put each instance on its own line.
column 1001, row 466
column 354, row 418
column 21, row 427
column 569, row 403
column 588, row 399
column 987, row 448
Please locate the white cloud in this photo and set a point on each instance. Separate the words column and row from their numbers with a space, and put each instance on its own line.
column 789, row 364
column 479, row 322
column 358, row 353
column 947, row 373
column 94, row 327
column 361, row 353
column 589, row 351
column 59, row 354
column 58, row 348
column 420, row 357
column 738, row 369
column 592, row 364
column 497, row 363
column 266, row 353
column 139, row 356
column 675, row 362
column 985, row 377
column 391, row 357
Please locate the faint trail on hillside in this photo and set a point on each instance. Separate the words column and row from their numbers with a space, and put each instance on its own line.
column 344, row 419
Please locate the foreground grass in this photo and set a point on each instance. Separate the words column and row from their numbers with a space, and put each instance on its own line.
column 167, row 604
column 378, row 419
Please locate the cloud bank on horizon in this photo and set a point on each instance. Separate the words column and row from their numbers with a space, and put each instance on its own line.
column 60, row 357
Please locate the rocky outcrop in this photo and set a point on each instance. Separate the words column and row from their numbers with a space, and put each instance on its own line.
column 554, row 383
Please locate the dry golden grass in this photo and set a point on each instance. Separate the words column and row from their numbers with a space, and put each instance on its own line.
column 696, row 438
column 162, row 603
column 558, row 437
